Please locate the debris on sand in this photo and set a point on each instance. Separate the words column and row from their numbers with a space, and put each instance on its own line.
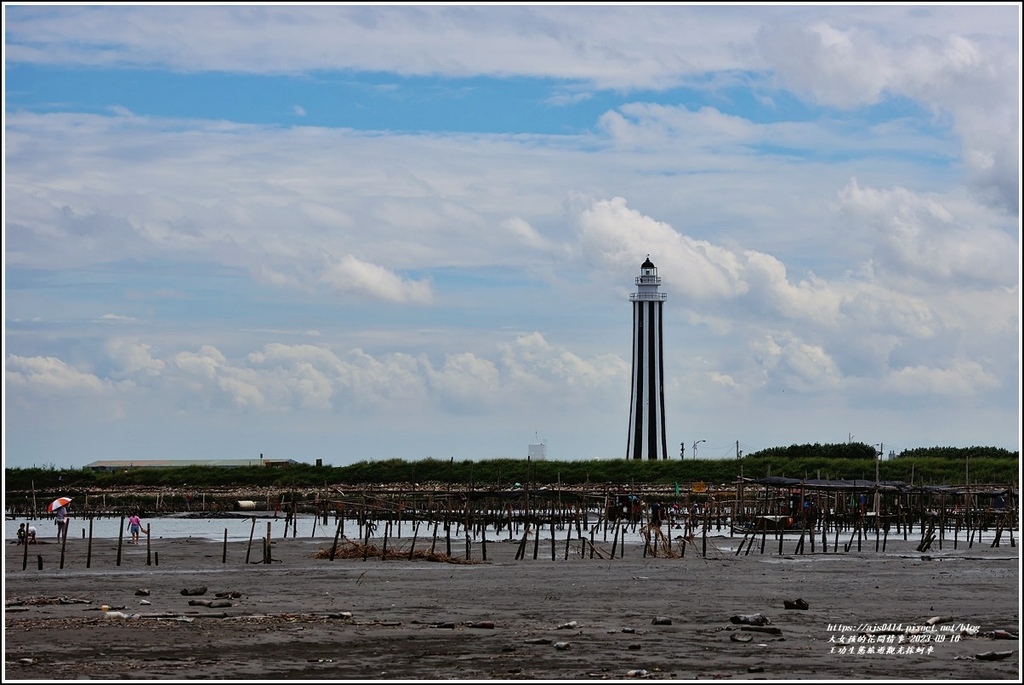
column 751, row 619
column 354, row 550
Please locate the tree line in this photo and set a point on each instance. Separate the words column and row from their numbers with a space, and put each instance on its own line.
column 842, row 461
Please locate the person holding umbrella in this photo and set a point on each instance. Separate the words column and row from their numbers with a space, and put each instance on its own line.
column 59, row 507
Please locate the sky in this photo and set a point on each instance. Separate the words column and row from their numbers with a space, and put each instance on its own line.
column 354, row 232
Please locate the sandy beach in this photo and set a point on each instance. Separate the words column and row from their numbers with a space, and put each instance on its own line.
column 302, row 617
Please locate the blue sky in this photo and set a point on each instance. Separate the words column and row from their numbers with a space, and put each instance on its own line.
column 358, row 232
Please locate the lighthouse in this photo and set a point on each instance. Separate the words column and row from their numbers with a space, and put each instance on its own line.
column 647, row 408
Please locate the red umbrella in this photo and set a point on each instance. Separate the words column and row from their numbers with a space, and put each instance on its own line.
column 58, row 503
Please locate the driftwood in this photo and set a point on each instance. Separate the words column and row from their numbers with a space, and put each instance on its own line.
column 37, row 601
column 354, row 550
column 211, row 603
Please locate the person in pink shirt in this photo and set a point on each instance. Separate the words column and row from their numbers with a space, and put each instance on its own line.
column 135, row 527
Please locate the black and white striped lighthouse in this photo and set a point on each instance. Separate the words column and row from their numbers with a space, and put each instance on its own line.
column 647, row 408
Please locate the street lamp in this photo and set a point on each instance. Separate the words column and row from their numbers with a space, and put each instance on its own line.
column 695, row 443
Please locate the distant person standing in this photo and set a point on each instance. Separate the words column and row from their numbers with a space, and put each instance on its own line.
column 63, row 520
column 135, row 527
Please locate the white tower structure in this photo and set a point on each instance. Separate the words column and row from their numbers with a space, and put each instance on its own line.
column 647, row 408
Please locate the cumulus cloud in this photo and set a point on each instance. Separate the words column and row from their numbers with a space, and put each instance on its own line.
column 133, row 358
column 354, row 276
column 828, row 334
column 973, row 80
column 50, row 376
column 921, row 236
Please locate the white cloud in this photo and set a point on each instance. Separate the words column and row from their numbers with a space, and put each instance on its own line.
column 920, row 236
column 134, row 358
column 49, row 376
column 352, row 275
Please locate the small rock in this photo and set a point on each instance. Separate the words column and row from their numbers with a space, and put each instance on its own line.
column 634, row 646
column 142, row 592
column 796, row 604
column 755, row 669
column 741, row 637
column 561, row 646
column 195, row 591
column 145, row 602
column 569, row 625
column 662, row 621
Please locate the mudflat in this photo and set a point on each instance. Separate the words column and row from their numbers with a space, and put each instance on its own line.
column 187, row 609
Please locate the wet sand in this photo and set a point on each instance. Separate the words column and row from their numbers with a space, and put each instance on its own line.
column 306, row 618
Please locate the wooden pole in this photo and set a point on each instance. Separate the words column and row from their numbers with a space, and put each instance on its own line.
column 120, row 539
column 415, row 534
column 568, row 535
column 224, row 554
column 366, row 541
column 64, row 539
column 267, row 555
column 24, row 560
column 253, row 530
column 552, row 532
column 148, row 544
column 448, row 528
column 337, row 534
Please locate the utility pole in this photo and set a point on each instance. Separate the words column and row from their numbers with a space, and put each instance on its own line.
column 682, row 451
column 738, row 455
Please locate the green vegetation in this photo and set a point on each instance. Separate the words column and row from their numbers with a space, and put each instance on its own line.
column 930, row 466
